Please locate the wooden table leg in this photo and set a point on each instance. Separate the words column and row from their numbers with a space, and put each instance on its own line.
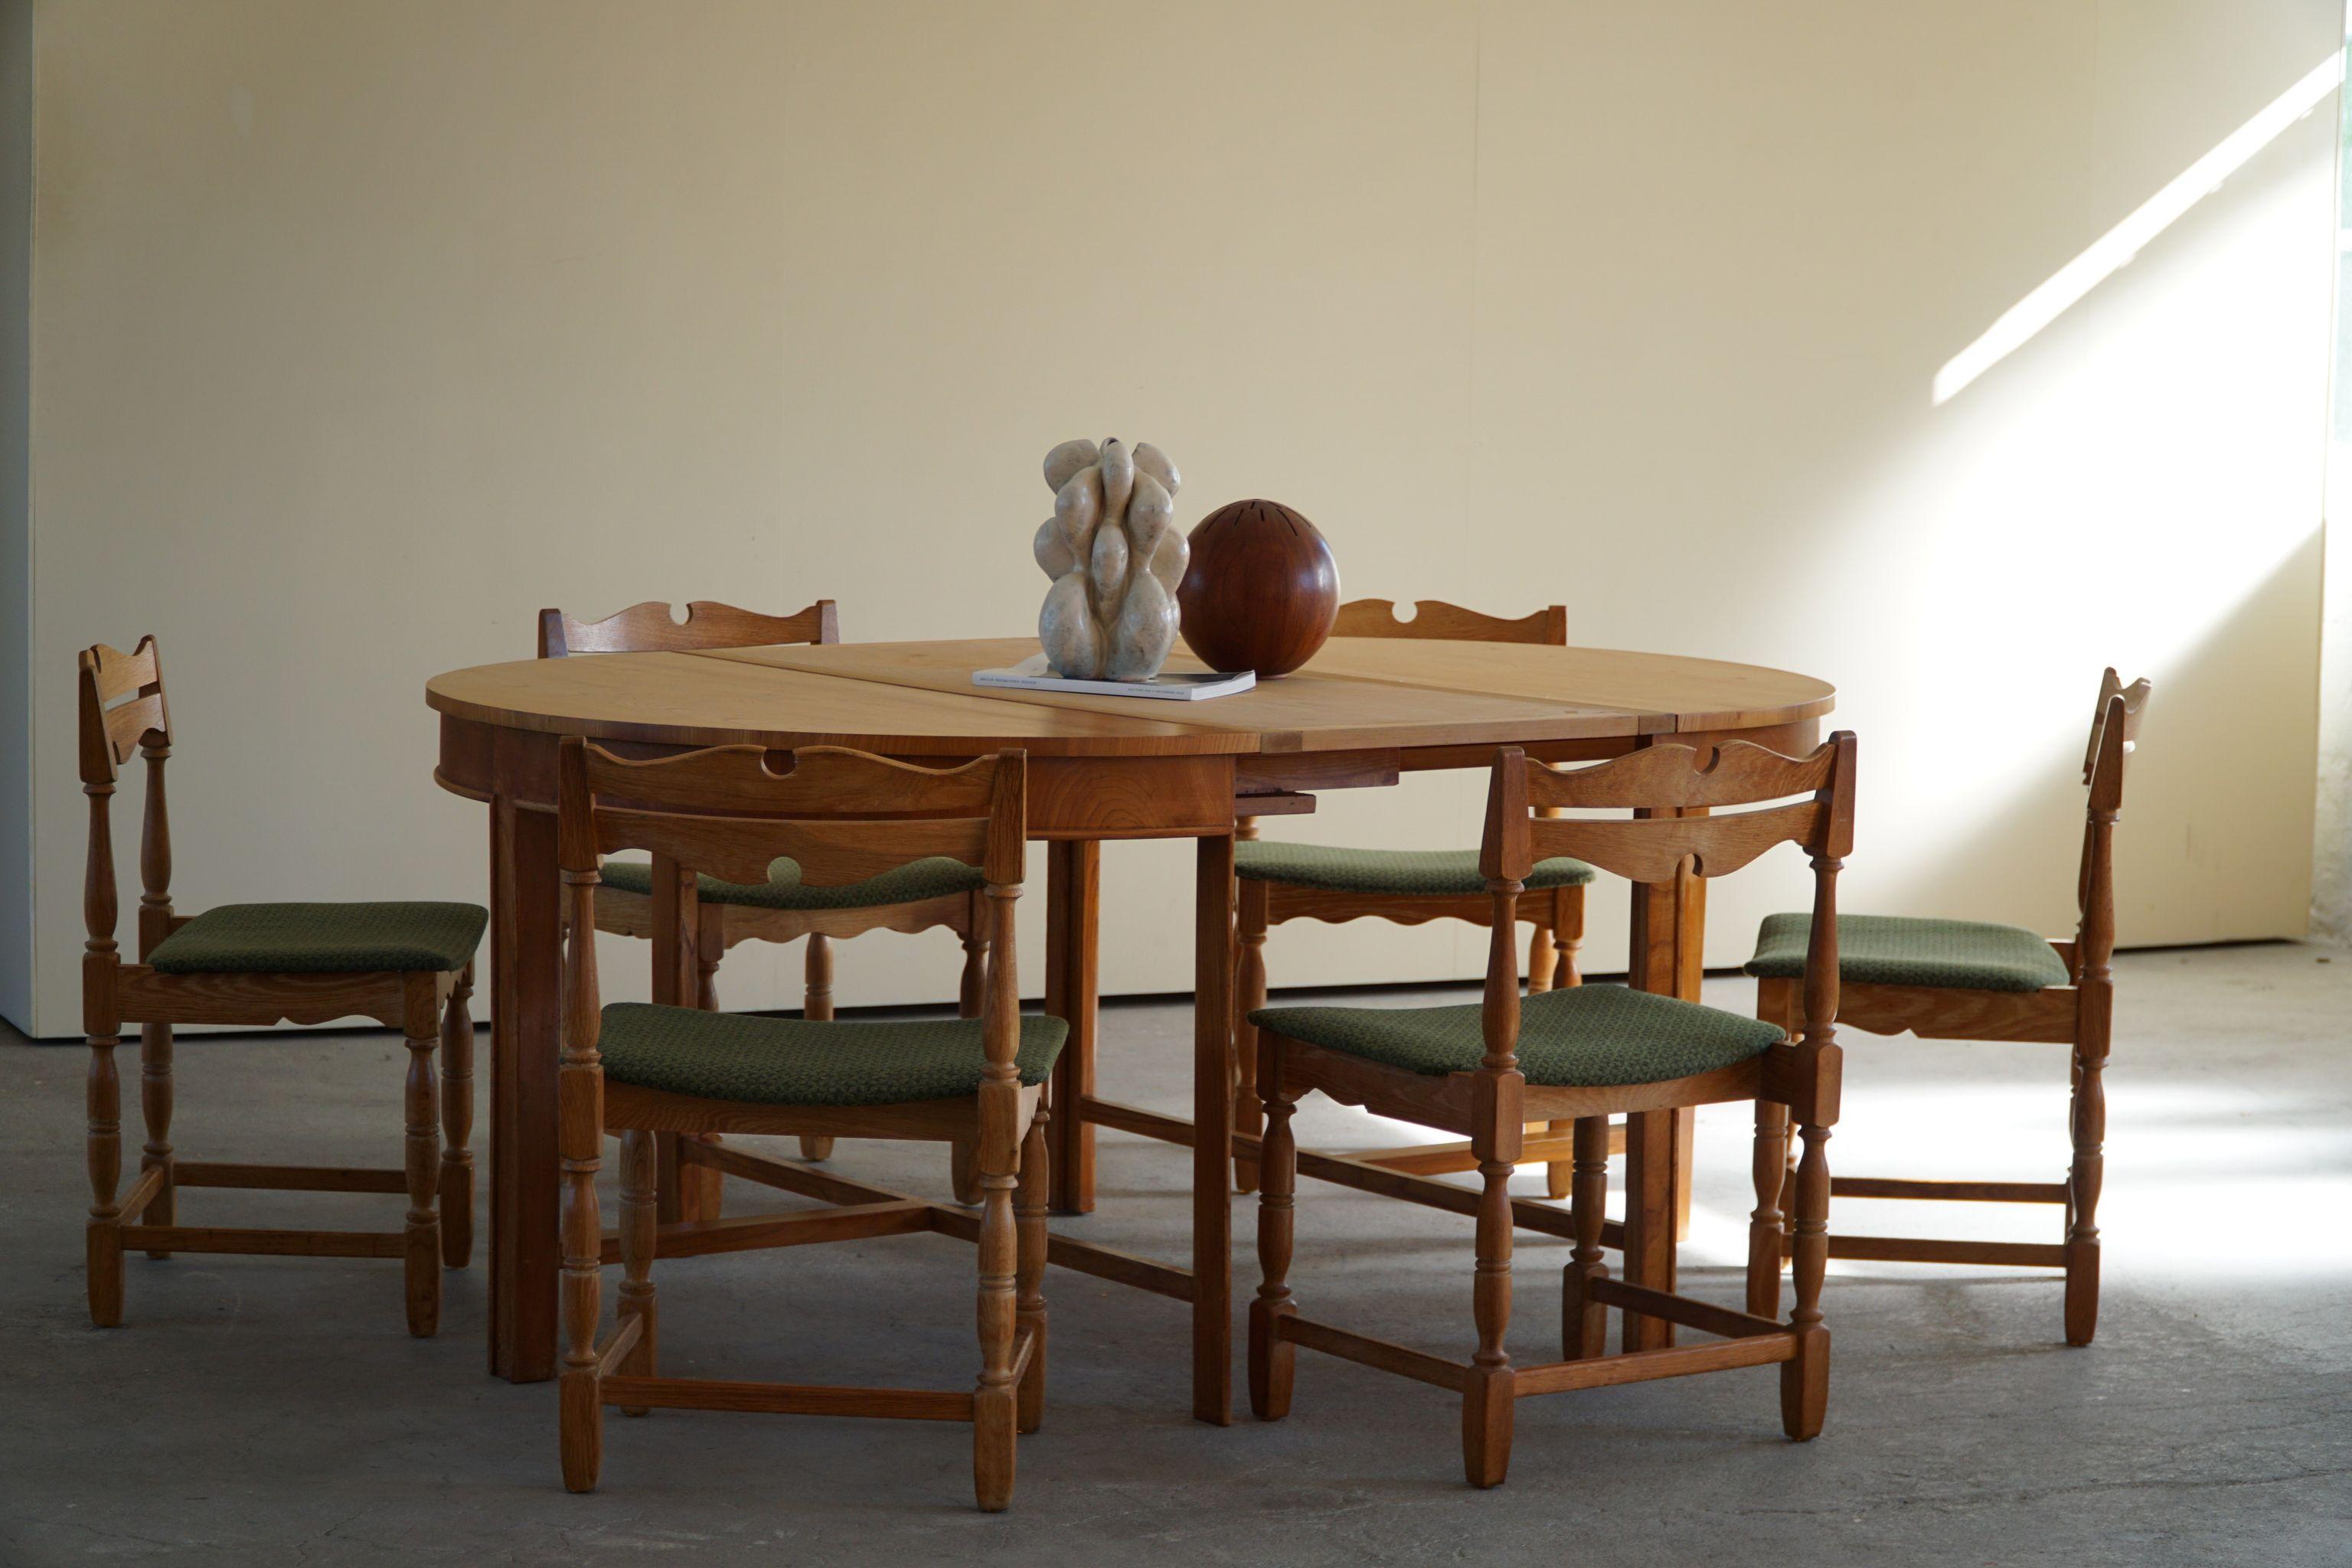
column 1690, row 971
column 1212, row 1135
column 1072, row 894
column 526, row 975
column 1669, row 921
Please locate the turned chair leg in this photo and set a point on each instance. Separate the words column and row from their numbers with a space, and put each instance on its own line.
column 457, row 1126
column 1488, row 1402
column 709, row 947
column 1029, row 1221
column 963, row 1153
column 1805, row 1380
column 638, row 1175
column 1273, row 1360
column 817, row 1008
column 1765, row 1224
column 104, row 1240
column 1567, row 934
column 579, row 1409
column 1792, row 1023
column 1560, row 1175
column 1249, row 995
column 996, row 1402
column 422, row 1253
column 707, row 1200
column 1584, row 1322
column 155, row 1109
column 1568, row 938
column 1542, row 959
column 2088, row 1124
column 972, row 987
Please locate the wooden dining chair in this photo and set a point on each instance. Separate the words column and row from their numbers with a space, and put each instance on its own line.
column 406, row 965
column 713, row 916
column 1579, row 1055
column 639, row 1069
column 1281, row 881
column 1967, row 980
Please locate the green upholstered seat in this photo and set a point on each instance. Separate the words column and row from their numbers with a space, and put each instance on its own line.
column 1400, row 873
column 1895, row 950
column 1583, row 1038
column 910, row 884
column 322, row 938
column 790, row 1061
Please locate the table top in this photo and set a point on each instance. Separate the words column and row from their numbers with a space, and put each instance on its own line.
column 917, row 698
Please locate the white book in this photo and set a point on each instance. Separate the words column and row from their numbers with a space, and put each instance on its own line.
column 1167, row 685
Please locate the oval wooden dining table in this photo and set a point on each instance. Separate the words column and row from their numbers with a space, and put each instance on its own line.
column 1362, row 712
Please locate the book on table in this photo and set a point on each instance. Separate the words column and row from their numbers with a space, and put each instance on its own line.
column 1167, row 685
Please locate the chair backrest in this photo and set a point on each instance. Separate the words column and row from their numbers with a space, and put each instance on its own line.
column 650, row 627
column 844, row 815
column 1667, row 780
column 123, row 709
column 2115, row 734
column 2134, row 700
column 1682, row 790
column 1436, row 618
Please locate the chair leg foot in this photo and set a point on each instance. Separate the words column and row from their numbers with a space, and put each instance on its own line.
column 816, row 1148
column 582, row 1433
column 457, row 1126
column 456, row 1215
column 963, row 1170
column 2082, row 1292
column 421, row 1257
column 1273, row 1362
column 1583, row 1322
column 1032, row 1388
column 642, row 1359
column 994, row 1416
column 1487, row 1414
column 422, row 1265
column 105, row 1252
column 1805, row 1386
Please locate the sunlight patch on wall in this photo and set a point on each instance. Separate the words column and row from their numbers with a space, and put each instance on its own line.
column 2117, row 248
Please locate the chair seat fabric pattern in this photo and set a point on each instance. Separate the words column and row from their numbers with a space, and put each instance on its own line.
column 1588, row 1037
column 1402, row 873
column 912, row 883
column 1897, row 950
column 792, row 1062
column 322, row 938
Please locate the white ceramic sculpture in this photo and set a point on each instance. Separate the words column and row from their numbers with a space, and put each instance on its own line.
column 1114, row 560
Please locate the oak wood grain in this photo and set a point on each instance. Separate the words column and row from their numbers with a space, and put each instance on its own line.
column 1313, row 710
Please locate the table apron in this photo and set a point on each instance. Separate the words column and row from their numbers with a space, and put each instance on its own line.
column 1069, row 798
column 1102, row 798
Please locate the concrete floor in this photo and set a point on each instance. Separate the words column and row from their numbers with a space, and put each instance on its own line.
column 262, row 1410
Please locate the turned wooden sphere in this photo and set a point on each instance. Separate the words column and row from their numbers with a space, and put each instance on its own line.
column 1261, row 591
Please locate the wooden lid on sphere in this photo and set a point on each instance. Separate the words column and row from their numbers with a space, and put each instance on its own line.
column 1261, row 591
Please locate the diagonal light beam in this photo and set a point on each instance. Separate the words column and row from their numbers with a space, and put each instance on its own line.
column 2116, row 249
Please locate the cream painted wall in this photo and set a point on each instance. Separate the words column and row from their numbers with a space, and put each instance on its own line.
column 16, row 517
column 359, row 333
